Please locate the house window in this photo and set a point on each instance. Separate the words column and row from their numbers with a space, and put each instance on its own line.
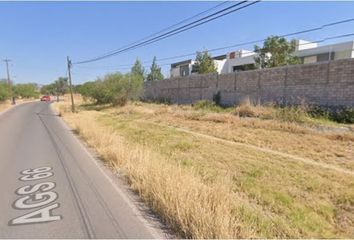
column 245, row 67
column 325, row 57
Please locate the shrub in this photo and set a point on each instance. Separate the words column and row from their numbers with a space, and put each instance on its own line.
column 246, row 111
column 343, row 115
column 292, row 114
column 26, row 90
column 86, row 90
column 115, row 89
column 217, row 98
column 338, row 114
column 207, row 105
column 319, row 112
column 162, row 100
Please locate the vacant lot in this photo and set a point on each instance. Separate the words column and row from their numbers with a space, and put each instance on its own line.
column 213, row 175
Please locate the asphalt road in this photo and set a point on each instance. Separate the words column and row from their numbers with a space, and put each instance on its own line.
column 52, row 187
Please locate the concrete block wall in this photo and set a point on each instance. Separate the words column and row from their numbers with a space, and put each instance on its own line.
column 327, row 83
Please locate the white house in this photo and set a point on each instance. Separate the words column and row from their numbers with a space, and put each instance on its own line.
column 185, row 68
column 310, row 52
column 240, row 60
column 243, row 60
column 181, row 69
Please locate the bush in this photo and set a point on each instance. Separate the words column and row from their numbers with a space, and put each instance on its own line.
column 343, row 115
column 246, row 111
column 319, row 112
column 338, row 114
column 292, row 114
column 26, row 90
column 297, row 114
column 86, row 90
column 162, row 100
column 115, row 89
column 206, row 105
column 217, row 98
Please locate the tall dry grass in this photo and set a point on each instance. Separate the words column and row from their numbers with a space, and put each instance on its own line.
column 192, row 208
column 243, row 202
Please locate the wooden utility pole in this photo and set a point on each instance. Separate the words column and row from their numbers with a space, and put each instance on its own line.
column 70, row 85
column 8, row 75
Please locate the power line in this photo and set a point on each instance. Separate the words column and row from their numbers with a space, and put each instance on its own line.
column 183, row 30
column 245, row 43
column 121, row 67
column 175, row 31
column 169, row 27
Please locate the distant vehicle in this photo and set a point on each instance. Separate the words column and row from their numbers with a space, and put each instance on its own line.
column 45, row 98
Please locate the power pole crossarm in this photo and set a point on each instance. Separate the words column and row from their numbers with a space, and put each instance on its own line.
column 70, row 85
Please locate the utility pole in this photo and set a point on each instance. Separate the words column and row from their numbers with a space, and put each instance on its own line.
column 8, row 75
column 70, row 86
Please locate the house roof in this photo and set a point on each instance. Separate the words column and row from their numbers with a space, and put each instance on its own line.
column 338, row 47
column 220, row 57
column 173, row 65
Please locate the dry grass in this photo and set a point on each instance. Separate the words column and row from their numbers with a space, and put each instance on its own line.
column 5, row 105
column 206, row 189
column 289, row 137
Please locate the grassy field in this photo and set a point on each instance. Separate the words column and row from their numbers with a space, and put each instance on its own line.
column 212, row 174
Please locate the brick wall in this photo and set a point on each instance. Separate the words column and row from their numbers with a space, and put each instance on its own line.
column 328, row 83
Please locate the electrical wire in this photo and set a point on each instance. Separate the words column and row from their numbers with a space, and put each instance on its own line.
column 175, row 31
column 242, row 44
column 169, row 27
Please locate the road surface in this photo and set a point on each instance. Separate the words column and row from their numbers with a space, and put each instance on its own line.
column 52, row 187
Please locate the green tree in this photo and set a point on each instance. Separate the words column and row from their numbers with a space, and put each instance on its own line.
column 204, row 63
column 26, row 90
column 138, row 70
column 155, row 72
column 276, row 51
column 58, row 88
column 49, row 89
column 61, row 85
column 114, row 88
column 86, row 90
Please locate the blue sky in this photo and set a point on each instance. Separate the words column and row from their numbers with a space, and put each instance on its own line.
column 38, row 36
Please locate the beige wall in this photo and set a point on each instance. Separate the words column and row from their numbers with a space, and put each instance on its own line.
column 328, row 83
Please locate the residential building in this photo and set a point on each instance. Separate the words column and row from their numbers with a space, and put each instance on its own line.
column 310, row 52
column 185, row 68
column 243, row 60
column 240, row 60
column 181, row 69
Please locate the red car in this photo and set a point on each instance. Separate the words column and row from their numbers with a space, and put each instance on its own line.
column 45, row 98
